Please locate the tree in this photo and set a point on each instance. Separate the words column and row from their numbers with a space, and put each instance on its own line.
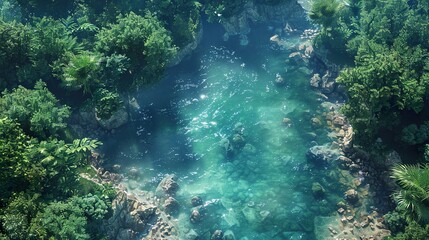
column 60, row 220
column 82, row 71
column 323, row 11
column 36, row 110
column 51, row 46
column 16, row 217
column 15, row 49
column 143, row 40
column 14, row 163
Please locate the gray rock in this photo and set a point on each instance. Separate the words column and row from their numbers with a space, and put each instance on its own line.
column 351, row 196
column 117, row 119
column 129, row 217
column 320, row 155
column 168, row 186
column 171, row 205
column 196, row 201
column 217, row 235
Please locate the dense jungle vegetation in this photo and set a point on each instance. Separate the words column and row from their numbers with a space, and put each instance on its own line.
column 80, row 53
column 385, row 44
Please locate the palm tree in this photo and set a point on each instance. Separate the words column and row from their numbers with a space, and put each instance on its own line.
column 413, row 197
column 81, row 72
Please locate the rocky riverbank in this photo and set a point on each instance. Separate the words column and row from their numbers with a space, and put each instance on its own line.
column 368, row 183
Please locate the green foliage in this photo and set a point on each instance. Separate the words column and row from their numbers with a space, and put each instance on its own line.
column 413, row 231
column 14, row 162
column 82, row 71
column 114, row 70
column 223, row 8
column 380, row 88
column 413, row 134
column 36, row 110
column 389, row 80
column 51, row 46
column 16, row 217
column 413, row 197
column 10, row 11
column 60, row 220
column 107, row 103
column 15, row 49
column 395, row 221
column 143, row 40
column 322, row 12
column 94, row 208
column 182, row 18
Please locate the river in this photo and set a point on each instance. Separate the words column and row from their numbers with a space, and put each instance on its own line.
column 234, row 137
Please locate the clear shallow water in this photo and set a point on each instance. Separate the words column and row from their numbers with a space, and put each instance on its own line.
column 226, row 92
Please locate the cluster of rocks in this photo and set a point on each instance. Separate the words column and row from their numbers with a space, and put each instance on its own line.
column 200, row 213
column 233, row 145
column 132, row 217
column 166, row 192
column 366, row 185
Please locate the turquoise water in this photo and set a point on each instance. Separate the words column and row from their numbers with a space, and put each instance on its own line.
column 226, row 92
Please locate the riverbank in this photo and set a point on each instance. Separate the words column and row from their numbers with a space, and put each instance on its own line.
column 227, row 133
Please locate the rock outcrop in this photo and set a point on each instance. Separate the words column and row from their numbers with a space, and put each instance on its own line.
column 133, row 217
column 187, row 50
column 130, row 217
column 289, row 12
column 167, row 187
column 117, row 119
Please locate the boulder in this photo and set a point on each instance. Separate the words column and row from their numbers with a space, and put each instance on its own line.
column 163, row 229
column 320, row 155
column 196, row 201
column 130, row 217
column 351, row 196
column 318, row 190
column 217, row 235
column 195, row 216
column 227, row 147
column 117, row 119
column 171, row 205
column 315, row 80
column 168, row 186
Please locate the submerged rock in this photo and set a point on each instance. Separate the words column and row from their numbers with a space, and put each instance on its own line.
column 227, row 147
column 168, row 186
column 217, row 235
column 318, row 190
column 196, row 201
column 320, row 155
column 279, row 79
column 195, row 216
column 351, row 196
column 171, row 205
